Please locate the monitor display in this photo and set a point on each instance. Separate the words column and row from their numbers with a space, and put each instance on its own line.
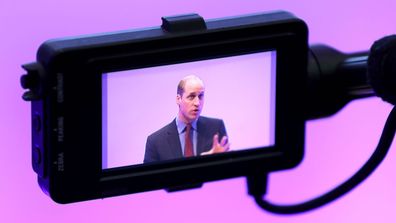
column 142, row 109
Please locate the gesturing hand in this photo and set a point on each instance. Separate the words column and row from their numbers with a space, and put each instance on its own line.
column 218, row 147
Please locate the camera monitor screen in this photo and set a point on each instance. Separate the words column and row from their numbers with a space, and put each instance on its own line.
column 236, row 92
column 168, row 107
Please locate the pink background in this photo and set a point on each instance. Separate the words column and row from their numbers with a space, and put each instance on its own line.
column 336, row 147
column 139, row 102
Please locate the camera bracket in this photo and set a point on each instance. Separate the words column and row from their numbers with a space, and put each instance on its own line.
column 183, row 23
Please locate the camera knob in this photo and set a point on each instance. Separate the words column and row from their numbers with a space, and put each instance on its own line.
column 31, row 81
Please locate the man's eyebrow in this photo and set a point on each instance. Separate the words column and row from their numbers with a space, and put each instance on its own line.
column 195, row 93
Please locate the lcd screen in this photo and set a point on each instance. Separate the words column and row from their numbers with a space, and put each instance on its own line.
column 239, row 91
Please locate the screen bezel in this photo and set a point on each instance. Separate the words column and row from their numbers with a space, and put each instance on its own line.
column 80, row 70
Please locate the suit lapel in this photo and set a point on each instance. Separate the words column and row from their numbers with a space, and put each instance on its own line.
column 204, row 138
column 174, row 141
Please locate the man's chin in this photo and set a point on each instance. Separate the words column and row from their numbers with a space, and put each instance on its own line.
column 193, row 117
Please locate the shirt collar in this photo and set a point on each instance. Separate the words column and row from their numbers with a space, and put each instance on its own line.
column 181, row 125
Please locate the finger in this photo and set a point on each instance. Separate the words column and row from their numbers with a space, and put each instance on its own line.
column 206, row 153
column 226, row 147
column 223, row 140
column 216, row 140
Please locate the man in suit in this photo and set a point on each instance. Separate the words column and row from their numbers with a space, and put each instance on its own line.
column 189, row 134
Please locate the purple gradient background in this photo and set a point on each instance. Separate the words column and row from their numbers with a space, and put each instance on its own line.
column 336, row 147
column 141, row 101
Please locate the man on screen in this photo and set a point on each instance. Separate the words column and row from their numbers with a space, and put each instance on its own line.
column 189, row 134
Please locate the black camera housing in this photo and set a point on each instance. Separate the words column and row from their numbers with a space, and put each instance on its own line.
column 65, row 92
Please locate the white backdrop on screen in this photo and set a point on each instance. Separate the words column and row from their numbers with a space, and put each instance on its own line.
column 139, row 102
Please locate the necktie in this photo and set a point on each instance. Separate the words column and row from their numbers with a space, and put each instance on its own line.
column 188, row 146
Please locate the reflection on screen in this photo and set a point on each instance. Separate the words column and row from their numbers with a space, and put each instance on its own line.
column 239, row 90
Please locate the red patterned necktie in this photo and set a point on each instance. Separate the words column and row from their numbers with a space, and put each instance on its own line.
column 188, row 146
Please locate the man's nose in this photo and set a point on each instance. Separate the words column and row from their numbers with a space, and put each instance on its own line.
column 197, row 101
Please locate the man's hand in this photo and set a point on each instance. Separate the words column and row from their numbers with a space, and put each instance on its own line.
column 218, row 147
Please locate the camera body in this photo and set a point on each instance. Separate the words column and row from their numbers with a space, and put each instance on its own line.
column 66, row 92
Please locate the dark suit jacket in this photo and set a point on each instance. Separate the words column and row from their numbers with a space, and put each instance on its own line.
column 164, row 144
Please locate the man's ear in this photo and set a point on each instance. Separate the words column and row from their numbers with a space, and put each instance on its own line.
column 178, row 99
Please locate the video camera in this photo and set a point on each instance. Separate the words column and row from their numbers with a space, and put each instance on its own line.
column 95, row 100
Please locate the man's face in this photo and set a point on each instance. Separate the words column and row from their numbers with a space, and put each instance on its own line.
column 191, row 101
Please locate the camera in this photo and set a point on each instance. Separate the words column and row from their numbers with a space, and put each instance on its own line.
column 97, row 101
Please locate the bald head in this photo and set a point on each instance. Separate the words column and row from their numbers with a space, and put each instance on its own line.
column 190, row 79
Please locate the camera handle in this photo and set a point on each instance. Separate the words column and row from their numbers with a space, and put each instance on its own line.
column 334, row 79
column 338, row 79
